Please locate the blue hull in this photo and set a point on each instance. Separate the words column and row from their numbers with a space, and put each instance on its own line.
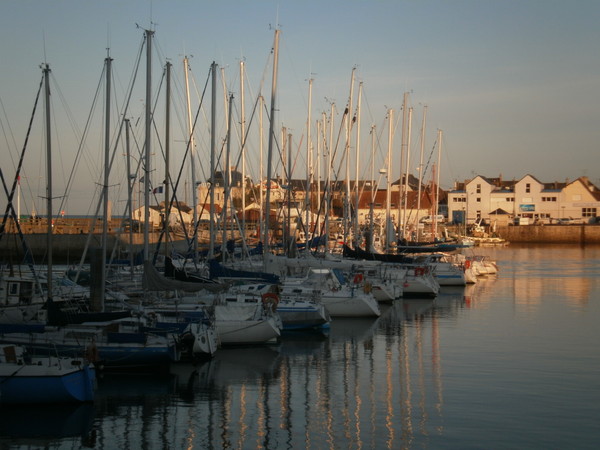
column 77, row 386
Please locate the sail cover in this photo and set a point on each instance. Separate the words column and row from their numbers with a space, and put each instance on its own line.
column 154, row 281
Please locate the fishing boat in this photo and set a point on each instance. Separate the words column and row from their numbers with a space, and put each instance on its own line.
column 28, row 379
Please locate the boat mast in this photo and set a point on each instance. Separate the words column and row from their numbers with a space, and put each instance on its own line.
column 261, row 151
column 227, row 181
column 167, row 181
column 388, row 200
column 243, row 156
column 437, row 182
column 46, row 71
column 357, row 175
column 421, row 166
column 213, row 124
column 130, row 182
column 348, row 125
column 309, row 165
column 270, row 146
column 317, row 227
column 289, row 198
column 406, row 170
column 148, row 125
column 369, row 245
column 192, row 144
column 403, row 152
column 108, row 62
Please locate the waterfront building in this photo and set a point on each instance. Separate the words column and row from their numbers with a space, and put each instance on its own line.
column 527, row 200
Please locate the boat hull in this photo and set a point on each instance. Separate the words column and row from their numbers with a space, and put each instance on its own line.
column 302, row 315
column 30, row 384
column 357, row 304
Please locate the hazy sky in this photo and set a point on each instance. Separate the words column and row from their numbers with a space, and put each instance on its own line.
column 514, row 85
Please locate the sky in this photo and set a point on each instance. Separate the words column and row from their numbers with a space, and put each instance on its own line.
column 513, row 85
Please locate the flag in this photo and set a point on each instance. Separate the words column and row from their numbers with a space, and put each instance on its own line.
column 157, row 190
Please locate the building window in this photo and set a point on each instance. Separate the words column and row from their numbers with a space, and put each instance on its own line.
column 548, row 199
column 478, row 199
column 478, row 189
column 588, row 212
column 528, row 188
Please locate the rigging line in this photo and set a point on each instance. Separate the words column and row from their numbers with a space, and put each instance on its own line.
column 14, row 143
column 78, row 154
column 180, row 174
column 20, row 164
column 27, row 254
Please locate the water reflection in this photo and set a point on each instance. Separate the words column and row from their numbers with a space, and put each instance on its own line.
column 44, row 425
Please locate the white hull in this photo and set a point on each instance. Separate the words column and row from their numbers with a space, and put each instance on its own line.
column 241, row 332
column 350, row 304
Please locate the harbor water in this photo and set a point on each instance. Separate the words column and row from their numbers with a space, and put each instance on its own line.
column 510, row 362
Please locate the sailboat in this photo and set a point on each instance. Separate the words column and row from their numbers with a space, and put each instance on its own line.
column 26, row 379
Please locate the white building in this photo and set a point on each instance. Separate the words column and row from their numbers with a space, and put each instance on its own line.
column 495, row 199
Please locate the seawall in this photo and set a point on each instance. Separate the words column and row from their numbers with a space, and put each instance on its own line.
column 551, row 234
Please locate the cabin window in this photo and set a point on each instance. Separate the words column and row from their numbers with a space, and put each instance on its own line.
column 13, row 289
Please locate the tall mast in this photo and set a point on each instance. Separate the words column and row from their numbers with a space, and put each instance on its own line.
column 356, row 177
column 348, row 124
column 213, row 125
column 284, row 180
column 243, row 155
column 148, row 124
column 46, row 71
column 373, row 191
column 317, row 229
column 289, row 196
column 167, row 181
column 329, row 164
column 270, row 147
column 403, row 153
column 421, row 162
column 192, row 144
column 406, row 170
column 388, row 200
column 261, row 151
column 108, row 62
column 437, row 181
column 309, row 165
column 227, row 181
column 130, row 182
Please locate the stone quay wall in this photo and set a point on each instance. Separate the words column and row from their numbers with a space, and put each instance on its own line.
column 551, row 234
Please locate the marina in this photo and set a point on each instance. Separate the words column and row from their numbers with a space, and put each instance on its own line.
column 186, row 268
column 507, row 362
